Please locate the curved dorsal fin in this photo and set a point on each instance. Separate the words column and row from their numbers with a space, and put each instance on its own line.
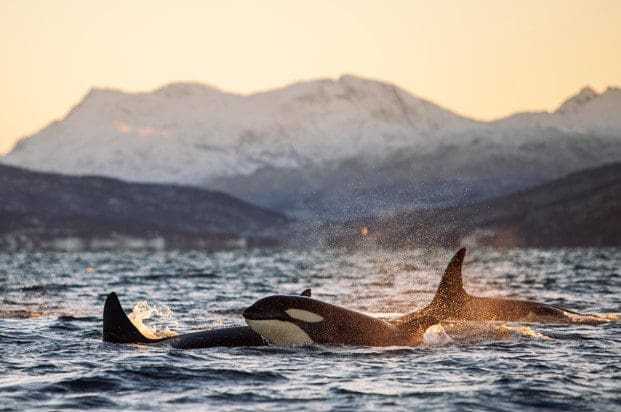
column 451, row 287
column 117, row 327
column 306, row 292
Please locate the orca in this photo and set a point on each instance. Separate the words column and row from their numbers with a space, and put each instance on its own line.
column 118, row 328
column 298, row 320
column 451, row 302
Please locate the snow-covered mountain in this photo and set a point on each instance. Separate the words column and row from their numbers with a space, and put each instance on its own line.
column 190, row 133
column 328, row 147
column 586, row 112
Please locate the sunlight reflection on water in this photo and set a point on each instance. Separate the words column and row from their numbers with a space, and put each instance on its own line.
column 56, row 359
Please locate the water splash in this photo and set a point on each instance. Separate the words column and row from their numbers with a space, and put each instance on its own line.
column 466, row 331
column 521, row 330
column 435, row 335
column 143, row 311
column 591, row 319
column 44, row 359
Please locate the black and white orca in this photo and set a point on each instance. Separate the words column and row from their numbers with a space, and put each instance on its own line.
column 297, row 320
column 451, row 302
column 118, row 328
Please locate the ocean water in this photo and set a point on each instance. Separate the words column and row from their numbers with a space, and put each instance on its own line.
column 52, row 355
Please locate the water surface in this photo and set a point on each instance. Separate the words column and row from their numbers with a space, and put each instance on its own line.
column 53, row 356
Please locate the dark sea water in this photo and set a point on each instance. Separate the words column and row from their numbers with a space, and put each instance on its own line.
column 52, row 355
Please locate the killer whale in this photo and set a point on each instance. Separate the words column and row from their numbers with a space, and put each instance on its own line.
column 452, row 302
column 296, row 320
column 118, row 328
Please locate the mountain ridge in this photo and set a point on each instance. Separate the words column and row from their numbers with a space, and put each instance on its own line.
column 41, row 206
column 192, row 134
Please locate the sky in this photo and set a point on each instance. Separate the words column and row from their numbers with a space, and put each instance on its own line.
column 481, row 58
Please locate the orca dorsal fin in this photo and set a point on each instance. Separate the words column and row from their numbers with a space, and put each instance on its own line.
column 451, row 287
column 306, row 292
column 117, row 327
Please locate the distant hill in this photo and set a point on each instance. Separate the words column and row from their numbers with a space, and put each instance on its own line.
column 324, row 149
column 40, row 210
column 581, row 209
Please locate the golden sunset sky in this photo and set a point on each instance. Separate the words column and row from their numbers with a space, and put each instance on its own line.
column 483, row 58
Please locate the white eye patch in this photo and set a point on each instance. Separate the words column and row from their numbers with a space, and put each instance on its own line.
column 304, row 315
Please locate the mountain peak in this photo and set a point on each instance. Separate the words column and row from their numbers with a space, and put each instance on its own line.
column 357, row 82
column 96, row 92
column 183, row 89
column 585, row 95
column 352, row 78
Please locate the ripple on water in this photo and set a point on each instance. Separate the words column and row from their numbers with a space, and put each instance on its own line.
column 53, row 357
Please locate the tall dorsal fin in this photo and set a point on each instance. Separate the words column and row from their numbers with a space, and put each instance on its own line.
column 117, row 327
column 306, row 292
column 451, row 287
